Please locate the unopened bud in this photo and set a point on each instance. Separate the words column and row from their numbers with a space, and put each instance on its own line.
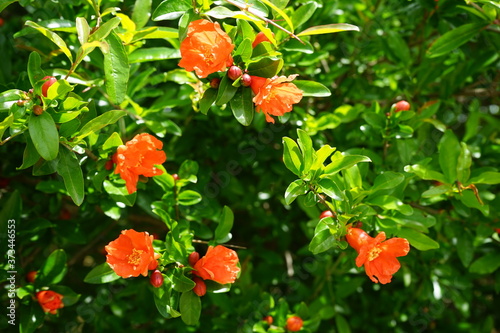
column 200, row 288
column 246, row 80
column 214, row 83
column 294, row 324
column 402, row 106
column 234, row 72
column 193, row 258
column 156, row 279
column 37, row 110
column 45, row 87
column 30, row 276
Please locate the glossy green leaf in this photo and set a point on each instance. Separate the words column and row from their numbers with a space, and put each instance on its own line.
column 5, row 3
column 342, row 324
column 83, row 30
column 463, row 164
column 304, row 13
column 35, row 71
column 390, row 202
column 102, row 273
column 118, row 192
column 242, row 106
column 312, row 88
column 155, row 33
column 331, row 189
column 55, row 38
column 306, row 147
column 487, row 264
column 292, row 157
column 58, row 89
column 54, row 268
column 70, row 170
column 141, row 13
column 454, row 39
column 30, row 155
column 296, row 188
column 207, row 100
column 418, row 240
column 153, row 54
column 226, row 220
column 328, row 29
column 266, row 67
column 425, row 172
column 449, row 151
column 100, row 122
column 188, row 198
column 220, row 12
column 171, row 9
column 342, row 162
column 44, row 134
column 437, row 190
column 387, row 180
column 488, row 177
column 226, row 91
column 116, row 68
column 190, row 307
column 5, row 124
column 104, row 30
column 182, row 283
column 321, row 155
column 465, row 247
column 324, row 237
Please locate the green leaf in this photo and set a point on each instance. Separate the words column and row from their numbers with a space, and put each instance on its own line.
column 190, row 307
column 104, row 30
column 83, row 30
column 44, row 134
column 312, row 88
column 155, row 33
column 242, row 106
column 341, row 162
column 207, row 100
column 102, row 273
column 486, row 264
column 488, row 177
column 266, row 67
column 188, row 171
column 330, row 188
column 53, row 37
column 70, row 297
column 35, row 71
column 182, row 283
column 449, row 151
column 141, row 13
column 58, row 89
column 387, row 180
column 189, row 198
column 5, row 3
column 324, row 236
column 32, row 315
column 291, row 156
column 453, row 39
column 463, row 164
column 296, row 188
column 328, row 29
column 99, row 122
column 69, row 168
column 321, row 155
column 280, row 12
column 423, row 171
column 116, row 68
column 119, row 193
column 418, row 240
column 5, row 124
column 304, row 13
column 306, row 147
column 153, row 54
column 220, row 12
column 171, row 9
column 54, row 269
column 226, row 220
column 342, row 324
column 390, row 202
column 30, row 155
column 226, row 91
column 437, row 190
column 244, row 50
column 465, row 247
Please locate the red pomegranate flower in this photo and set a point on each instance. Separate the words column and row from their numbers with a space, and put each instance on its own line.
column 132, row 254
column 139, row 157
column 50, row 301
column 206, row 49
column 275, row 96
column 219, row 265
column 377, row 254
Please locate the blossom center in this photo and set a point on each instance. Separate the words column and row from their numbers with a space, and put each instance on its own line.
column 374, row 253
column 135, row 257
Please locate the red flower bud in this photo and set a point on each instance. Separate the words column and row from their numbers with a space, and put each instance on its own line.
column 193, row 258
column 327, row 213
column 268, row 319
column 402, row 106
column 259, row 38
column 1, row 21
column 175, row 177
column 200, row 288
column 156, row 279
column 234, row 72
column 30, row 276
column 294, row 324
column 246, row 80
column 37, row 110
column 21, row 102
column 214, row 83
column 109, row 165
column 50, row 81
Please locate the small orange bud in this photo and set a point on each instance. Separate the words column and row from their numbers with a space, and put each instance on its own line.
column 156, row 279
column 37, row 110
column 193, row 258
column 214, row 83
column 259, row 38
column 30, row 276
column 200, row 288
column 327, row 213
column 268, row 319
column 21, row 102
column 402, row 106
column 234, row 72
column 45, row 87
column 294, row 324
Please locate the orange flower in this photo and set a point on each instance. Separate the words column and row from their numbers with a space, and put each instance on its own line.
column 50, row 301
column 138, row 157
column 219, row 265
column 132, row 254
column 377, row 254
column 275, row 96
column 206, row 49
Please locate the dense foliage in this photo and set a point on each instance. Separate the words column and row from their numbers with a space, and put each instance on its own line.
column 134, row 133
